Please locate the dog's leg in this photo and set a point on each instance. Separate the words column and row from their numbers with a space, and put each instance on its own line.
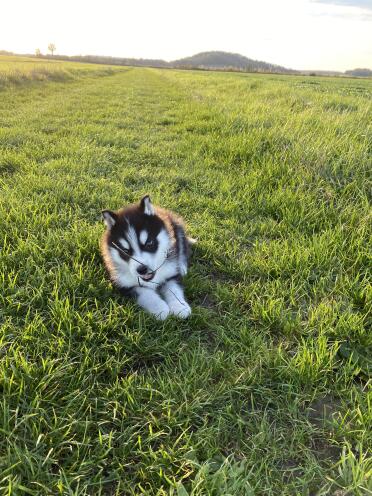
column 150, row 301
column 172, row 291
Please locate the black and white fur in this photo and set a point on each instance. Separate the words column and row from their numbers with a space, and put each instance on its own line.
column 145, row 251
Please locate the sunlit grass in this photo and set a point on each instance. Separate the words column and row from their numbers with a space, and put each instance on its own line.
column 17, row 70
column 265, row 389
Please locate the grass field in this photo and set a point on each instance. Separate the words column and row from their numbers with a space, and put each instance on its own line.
column 265, row 390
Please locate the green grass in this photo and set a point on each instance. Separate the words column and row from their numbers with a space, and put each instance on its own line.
column 264, row 391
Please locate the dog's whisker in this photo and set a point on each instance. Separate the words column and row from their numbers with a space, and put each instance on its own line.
column 174, row 294
column 161, row 265
column 125, row 253
column 168, row 289
column 133, row 258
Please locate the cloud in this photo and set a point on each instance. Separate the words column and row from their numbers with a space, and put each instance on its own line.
column 345, row 9
column 362, row 4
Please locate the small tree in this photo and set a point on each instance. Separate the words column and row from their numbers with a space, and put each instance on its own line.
column 51, row 48
column 37, row 52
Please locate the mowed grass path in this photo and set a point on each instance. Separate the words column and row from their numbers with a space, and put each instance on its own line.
column 264, row 391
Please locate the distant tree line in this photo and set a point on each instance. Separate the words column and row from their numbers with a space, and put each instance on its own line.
column 221, row 61
column 203, row 61
column 103, row 59
column 359, row 72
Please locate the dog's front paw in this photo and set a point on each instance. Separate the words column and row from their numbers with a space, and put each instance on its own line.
column 160, row 310
column 185, row 312
column 152, row 303
column 180, row 309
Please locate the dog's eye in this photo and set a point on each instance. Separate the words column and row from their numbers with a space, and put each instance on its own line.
column 121, row 249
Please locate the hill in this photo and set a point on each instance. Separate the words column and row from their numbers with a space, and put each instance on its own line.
column 226, row 60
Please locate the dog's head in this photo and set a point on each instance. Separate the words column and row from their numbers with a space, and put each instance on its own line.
column 138, row 237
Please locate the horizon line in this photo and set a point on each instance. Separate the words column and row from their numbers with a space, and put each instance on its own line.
column 178, row 59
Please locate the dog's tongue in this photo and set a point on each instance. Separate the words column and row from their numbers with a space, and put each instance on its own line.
column 149, row 276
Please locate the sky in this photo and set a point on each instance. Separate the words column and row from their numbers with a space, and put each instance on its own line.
column 299, row 34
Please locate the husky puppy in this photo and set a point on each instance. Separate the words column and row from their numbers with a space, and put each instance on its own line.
column 145, row 251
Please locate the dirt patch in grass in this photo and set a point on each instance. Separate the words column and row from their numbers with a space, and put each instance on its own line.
column 324, row 450
column 206, row 301
column 141, row 365
column 322, row 411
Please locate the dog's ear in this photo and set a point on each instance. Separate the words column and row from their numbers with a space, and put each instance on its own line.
column 109, row 218
column 146, row 206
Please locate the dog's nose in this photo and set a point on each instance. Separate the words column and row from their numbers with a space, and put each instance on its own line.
column 142, row 270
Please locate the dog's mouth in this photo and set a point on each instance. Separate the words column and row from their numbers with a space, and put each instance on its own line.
column 149, row 276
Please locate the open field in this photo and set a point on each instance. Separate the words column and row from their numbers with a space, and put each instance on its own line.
column 264, row 391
